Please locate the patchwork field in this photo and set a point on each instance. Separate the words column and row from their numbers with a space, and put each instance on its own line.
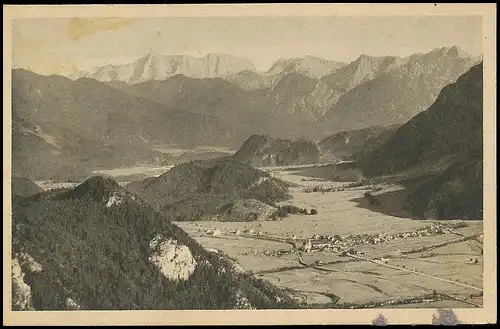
column 412, row 266
column 406, row 269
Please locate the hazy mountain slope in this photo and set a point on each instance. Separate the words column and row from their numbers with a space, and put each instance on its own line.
column 250, row 80
column 346, row 143
column 89, row 108
column 68, row 253
column 399, row 93
column 369, row 91
column 67, row 120
column 241, row 112
column 373, row 143
column 22, row 186
column 160, row 67
column 290, row 93
column 334, row 85
column 260, row 150
column 449, row 132
column 309, row 66
column 53, row 152
column 200, row 188
column 453, row 124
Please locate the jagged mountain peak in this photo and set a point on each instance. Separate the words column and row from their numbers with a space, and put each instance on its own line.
column 156, row 66
column 453, row 51
column 308, row 65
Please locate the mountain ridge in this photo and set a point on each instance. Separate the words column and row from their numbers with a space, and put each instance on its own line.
column 69, row 256
column 154, row 66
column 443, row 147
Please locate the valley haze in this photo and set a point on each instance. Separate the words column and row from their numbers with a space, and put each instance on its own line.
column 248, row 163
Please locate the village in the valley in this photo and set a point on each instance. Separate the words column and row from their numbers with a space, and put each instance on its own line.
column 388, row 260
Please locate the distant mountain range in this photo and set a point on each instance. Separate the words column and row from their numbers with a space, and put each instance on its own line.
column 310, row 66
column 97, row 123
column 398, row 91
column 155, row 66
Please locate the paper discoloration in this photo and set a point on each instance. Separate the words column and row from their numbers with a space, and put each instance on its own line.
column 82, row 27
column 344, row 259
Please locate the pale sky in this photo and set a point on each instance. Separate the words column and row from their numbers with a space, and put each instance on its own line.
column 59, row 45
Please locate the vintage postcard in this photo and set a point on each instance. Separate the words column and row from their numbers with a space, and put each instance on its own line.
column 249, row 164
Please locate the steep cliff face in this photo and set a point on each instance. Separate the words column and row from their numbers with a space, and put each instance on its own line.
column 160, row 67
column 95, row 254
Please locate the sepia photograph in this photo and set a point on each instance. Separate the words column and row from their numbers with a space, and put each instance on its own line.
column 312, row 160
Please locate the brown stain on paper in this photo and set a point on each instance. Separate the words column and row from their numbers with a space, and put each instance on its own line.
column 81, row 27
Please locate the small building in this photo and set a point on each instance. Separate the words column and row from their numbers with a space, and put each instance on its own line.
column 307, row 246
column 215, row 233
column 321, row 245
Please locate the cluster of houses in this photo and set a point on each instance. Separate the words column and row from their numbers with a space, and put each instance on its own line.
column 339, row 243
column 319, row 188
column 277, row 253
column 218, row 232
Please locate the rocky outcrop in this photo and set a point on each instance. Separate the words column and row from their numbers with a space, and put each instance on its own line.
column 174, row 260
column 22, row 264
column 242, row 303
column 123, row 257
column 21, row 291
column 28, row 263
column 71, row 304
